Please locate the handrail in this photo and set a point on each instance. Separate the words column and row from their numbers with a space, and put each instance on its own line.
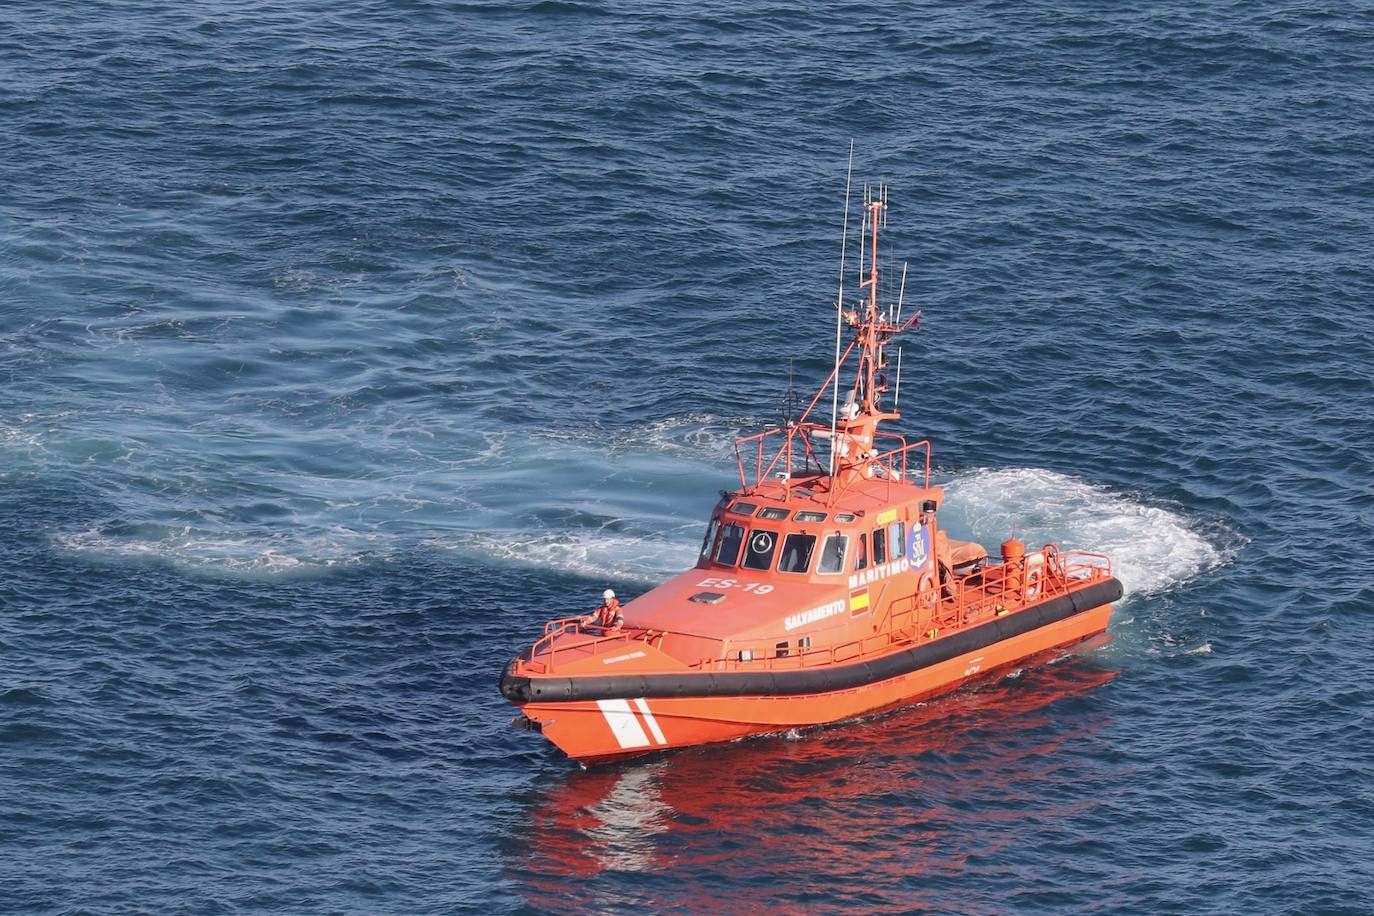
column 762, row 471
column 902, row 450
column 1002, row 588
column 785, row 448
column 548, row 643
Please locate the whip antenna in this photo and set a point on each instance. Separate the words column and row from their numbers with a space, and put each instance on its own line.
column 839, row 310
column 897, row 395
column 789, row 401
column 901, row 294
column 863, row 233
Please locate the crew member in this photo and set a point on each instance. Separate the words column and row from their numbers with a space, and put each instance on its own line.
column 607, row 617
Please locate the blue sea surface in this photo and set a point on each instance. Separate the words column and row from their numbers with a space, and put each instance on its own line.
column 343, row 343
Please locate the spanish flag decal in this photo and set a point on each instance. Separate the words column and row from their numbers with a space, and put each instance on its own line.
column 858, row 602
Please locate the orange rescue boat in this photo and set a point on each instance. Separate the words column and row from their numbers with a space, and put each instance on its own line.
column 824, row 589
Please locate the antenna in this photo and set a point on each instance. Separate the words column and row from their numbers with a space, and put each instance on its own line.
column 901, row 294
column 891, row 250
column 897, row 395
column 790, row 399
column 863, row 235
column 839, row 310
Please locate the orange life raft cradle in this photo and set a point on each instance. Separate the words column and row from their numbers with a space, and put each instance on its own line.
column 824, row 589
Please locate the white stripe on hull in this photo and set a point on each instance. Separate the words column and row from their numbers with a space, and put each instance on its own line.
column 623, row 723
column 651, row 721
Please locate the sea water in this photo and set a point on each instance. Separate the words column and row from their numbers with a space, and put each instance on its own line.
column 344, row 343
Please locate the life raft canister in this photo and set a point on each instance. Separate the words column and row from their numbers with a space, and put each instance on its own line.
column 1012, row 550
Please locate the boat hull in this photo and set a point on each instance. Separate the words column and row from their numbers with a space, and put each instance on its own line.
column 601, row 729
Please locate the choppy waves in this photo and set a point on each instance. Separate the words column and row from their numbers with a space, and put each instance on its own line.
column 341, row 345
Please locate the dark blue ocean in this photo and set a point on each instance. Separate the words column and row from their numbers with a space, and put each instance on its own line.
column 342, row 343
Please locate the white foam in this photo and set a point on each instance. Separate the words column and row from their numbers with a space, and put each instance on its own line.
column 222, row 553
column 18, row 437
column 697, row 435
column 1166, row 645
column 694, row 436
column 654, row 536
column 32, row 430
column 595, row 553
column 1152, row 549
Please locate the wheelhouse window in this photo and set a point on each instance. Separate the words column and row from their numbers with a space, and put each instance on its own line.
column 710, row 537
column 879, row 546
column 743, row 508
column 796, row 553
column 896, row 539
column 810, row 516
column 844, row 517
column 727, row 548
column 773, row 513
column 861, row 553
column 758, row 553
column 832, row 554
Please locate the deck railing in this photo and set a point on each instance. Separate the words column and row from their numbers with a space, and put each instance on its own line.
column 786, row 453
column 773, row 456
column 951, row 606
column 542, row 657
column 910, row 620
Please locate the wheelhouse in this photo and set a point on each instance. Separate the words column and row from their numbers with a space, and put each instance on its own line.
column 748, row 535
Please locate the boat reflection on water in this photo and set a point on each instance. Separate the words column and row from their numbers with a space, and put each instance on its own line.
column 865, row 814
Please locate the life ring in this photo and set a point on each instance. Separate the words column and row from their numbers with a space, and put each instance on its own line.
column 1033, row 583
column 925, row 590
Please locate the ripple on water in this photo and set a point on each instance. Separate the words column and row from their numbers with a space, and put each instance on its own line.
column 342, row 342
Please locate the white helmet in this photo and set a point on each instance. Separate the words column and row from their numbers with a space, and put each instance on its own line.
column 607, row 595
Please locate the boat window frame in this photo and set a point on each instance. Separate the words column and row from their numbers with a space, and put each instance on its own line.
column 744, row 509
column 774, row 514
column 810, row 552
column 839, row 570
column 879, row 545
column 720, row 542
column 844, row 518
column 749, row 549
column 708, row 543
column 896, row 540
column 861, row 554
column 807, row 515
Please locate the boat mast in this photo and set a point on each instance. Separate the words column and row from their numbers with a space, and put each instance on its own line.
column 851, row 436
column 873, row 331
column 853, row 443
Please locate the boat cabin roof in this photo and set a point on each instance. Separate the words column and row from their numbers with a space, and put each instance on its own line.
column 769, row 552
column 800, row 505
